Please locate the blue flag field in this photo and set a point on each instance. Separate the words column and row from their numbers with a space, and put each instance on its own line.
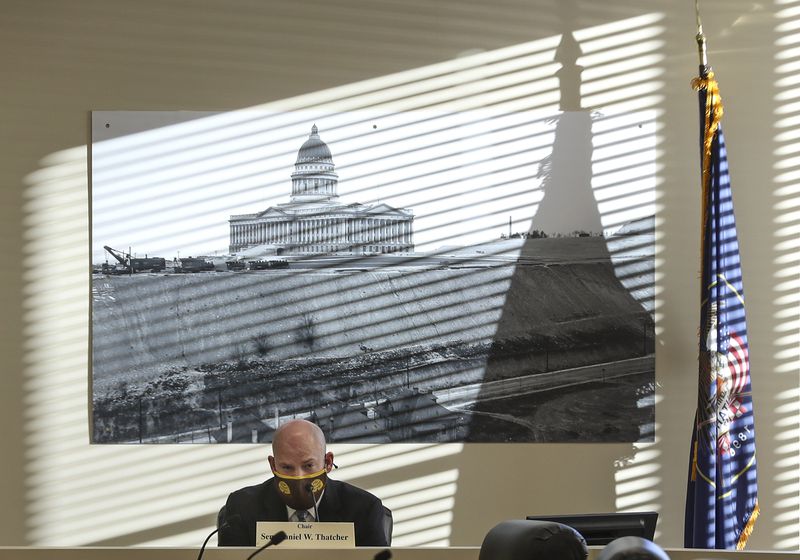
column 721, row 497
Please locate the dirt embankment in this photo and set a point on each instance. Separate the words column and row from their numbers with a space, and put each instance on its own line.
column 148, row 324
column 172, row 351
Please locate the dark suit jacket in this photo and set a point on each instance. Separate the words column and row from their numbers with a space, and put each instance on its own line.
column 341, row 502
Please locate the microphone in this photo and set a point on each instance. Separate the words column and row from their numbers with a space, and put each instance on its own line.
column 314, row 501
column 384, row 554
column 225, row 524
column 277, row 538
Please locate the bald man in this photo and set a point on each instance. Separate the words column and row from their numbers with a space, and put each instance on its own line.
column 300, row 467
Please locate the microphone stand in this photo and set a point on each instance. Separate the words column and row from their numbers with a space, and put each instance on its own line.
column 225, row 524
column 205, row 542
column 277, row 538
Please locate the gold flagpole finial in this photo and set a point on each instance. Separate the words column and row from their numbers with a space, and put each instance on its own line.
column 700, row 38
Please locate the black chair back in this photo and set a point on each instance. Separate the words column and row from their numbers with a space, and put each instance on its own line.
column 632, row 548
column 388, row 524
column 523, row 539
column 221, row 517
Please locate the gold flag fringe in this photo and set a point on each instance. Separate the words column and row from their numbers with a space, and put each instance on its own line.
column 712, row 118
column 714, row 111
column 748, row 529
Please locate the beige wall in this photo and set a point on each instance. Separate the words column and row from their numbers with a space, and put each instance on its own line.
column 60, row 60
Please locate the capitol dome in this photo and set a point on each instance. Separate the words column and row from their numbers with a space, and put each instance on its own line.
column 315, row 222
column 314, row 149
column 314, row 178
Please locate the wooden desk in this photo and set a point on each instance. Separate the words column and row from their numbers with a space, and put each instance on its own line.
column 451, row 553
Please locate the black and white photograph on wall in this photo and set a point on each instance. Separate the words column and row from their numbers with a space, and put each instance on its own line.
column 410, row 277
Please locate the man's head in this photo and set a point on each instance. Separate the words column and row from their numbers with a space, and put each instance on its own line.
column 300, row 463
column 298, row 448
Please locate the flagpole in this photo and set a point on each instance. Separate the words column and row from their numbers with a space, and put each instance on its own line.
column 721, row 493
column 701, row 40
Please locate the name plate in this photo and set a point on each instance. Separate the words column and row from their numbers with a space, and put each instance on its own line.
column 308, row 534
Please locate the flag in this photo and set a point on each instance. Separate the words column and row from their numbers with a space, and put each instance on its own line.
column 721, row 501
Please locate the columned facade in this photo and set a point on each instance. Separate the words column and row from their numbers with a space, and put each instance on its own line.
column 314, row 221
column 333, row 233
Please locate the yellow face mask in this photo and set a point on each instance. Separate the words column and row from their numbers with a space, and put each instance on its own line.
column 300, row 492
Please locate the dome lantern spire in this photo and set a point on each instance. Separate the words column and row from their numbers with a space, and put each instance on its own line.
column 314, row 178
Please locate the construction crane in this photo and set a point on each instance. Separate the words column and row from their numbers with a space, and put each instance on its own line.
column 129, row 265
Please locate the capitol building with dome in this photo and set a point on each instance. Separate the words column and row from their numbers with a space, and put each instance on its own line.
column 315, row 221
